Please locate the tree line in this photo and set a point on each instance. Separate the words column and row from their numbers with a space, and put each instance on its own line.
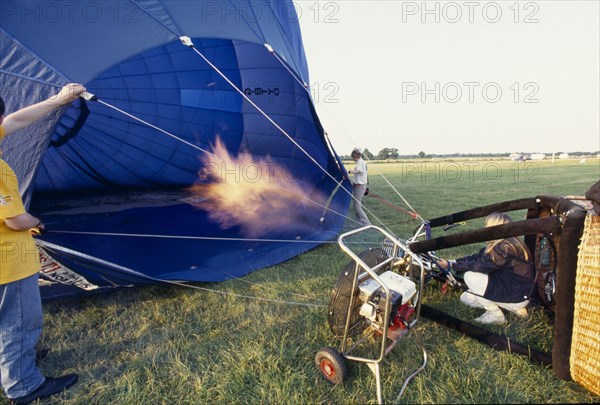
column 393, row 154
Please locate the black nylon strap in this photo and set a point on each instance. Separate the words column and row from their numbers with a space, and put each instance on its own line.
column 496, row 342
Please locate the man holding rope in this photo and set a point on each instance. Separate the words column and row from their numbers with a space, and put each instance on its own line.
column 21, row 317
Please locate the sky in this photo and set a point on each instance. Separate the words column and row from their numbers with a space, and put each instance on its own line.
column 455, row 76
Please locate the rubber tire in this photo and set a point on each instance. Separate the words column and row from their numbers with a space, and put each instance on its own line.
column 332, row 365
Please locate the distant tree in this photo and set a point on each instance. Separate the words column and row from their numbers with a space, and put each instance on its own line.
column 421, row 155
column 368, row 154
column 383, row 154
column 388, row 153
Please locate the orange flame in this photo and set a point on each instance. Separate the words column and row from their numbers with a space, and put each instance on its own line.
column 258, row 195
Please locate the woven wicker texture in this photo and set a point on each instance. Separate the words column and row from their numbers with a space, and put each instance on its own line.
column 585, row 346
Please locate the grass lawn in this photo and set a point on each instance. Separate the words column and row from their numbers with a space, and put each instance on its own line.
column 178, row 345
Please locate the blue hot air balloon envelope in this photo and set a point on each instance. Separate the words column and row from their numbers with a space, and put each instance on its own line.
column 111, row 178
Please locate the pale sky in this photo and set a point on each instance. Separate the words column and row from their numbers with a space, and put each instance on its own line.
column 488, row 76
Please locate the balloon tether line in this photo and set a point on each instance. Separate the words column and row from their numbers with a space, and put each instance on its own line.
column 305, row 86
column 57, row 248
column 187, row 41
column 92, row 97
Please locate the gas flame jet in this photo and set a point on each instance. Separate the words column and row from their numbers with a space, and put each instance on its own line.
column 257, row 195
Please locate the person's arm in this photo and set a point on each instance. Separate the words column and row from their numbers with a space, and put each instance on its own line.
column 357, row 169
column 28, row 115
column 482, row 265
column 23, row 222
column 12, row 212
column 473, row 257
column 484, row 262
column 443, row 263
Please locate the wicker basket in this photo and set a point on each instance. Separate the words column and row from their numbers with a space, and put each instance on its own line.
column 585, row 346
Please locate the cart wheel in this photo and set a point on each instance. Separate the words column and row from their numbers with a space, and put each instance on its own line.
column 332, row 365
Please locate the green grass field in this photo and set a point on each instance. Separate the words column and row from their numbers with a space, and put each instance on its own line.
column 178, row 345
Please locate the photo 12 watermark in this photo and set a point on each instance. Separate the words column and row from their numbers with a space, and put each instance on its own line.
column 470, row 172
column 326, row 12
column 216, row 11
column 470, row 12
column 470, row 92
column 13, row 252
column 274, row 92
column 70, row 12
column 319, row 12
column 262, row 171
column 326, row 93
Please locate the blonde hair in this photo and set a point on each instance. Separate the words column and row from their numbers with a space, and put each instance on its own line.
column 499, row 218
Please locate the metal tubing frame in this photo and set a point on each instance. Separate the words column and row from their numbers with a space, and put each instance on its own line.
column 374, row 364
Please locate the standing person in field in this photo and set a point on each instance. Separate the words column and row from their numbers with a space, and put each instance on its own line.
column 359, row 186
column 21, row 318
column 500, row 276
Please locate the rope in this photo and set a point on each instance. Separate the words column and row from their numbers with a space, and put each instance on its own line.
column 305, row 86
column 386, row 202
column 326, row 208
column 345, row 133
column 252, row 297
column 400, row 195
column 406, row 221
column 339, row 183
column 152, row 126
column 56, row 248
column 240, row 279
column 261, row 111
column 188, row 42
column 141, row 235
column 92, row 97
column 352, row 140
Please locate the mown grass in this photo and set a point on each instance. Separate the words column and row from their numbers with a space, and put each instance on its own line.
column 178, row 345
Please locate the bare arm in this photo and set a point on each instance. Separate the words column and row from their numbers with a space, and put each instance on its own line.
column 355, row 170
column 28, row 115
column 23, row 222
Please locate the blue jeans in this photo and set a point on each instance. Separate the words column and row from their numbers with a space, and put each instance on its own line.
column 21, row 322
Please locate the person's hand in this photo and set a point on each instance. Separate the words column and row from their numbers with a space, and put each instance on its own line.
column 39, row 229
column 68, row 93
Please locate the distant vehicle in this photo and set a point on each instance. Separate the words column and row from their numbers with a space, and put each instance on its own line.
column 517, row 157
column 563, row 156
column 538, row 156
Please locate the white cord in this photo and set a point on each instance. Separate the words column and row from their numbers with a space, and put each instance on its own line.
column 141, row 235
column 153, row 126
column 191, row 45
column 53, row 247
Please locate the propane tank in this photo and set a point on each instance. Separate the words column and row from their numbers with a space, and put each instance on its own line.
column 545, row 252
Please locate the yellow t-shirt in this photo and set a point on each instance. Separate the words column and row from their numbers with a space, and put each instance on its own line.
column 19, row 257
